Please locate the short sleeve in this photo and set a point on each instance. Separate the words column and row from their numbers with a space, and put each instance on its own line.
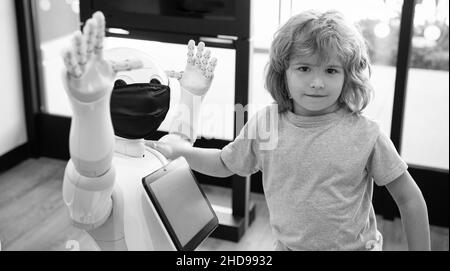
column 241, row 156
column 385, row 164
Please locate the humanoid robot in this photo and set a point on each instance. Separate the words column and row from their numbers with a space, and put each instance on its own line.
column 101, row 188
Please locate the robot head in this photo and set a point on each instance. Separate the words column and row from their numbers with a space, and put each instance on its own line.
column 150, row 71
column 140, row 98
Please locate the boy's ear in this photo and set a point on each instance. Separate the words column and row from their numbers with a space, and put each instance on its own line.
column 363, row 63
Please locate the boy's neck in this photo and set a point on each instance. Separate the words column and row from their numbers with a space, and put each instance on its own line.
column 298, row 110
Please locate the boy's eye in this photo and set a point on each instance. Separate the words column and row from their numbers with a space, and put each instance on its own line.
column 303, row 68
column 332, row 71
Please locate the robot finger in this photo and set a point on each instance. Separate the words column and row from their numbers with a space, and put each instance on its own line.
column 190, row 59
column 209, row 73
column 98, row 47
column 191, row 45
column 199, row 55
column 126, row 65
column 89, row 31
column 66, row 59
column 200, row 48
column 79, row 47
column 71, row 64
column 197, row 62
column 204, row 61
column 212, row 65
column 190, row 54
column 207, row 54
column 203, row 66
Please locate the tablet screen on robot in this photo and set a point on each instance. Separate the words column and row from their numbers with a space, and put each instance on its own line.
column 181, row 204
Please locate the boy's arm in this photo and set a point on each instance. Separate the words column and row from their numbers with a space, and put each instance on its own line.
column 205, row 161
column 413, row 211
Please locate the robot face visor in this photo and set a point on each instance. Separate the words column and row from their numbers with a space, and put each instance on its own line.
column 137, row 110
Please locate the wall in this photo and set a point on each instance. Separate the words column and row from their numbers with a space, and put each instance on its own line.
column 12, row 114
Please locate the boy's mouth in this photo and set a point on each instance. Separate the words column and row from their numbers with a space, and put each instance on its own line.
column 315, row 95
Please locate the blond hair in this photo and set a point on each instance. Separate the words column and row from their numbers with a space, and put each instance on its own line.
column 313, row 32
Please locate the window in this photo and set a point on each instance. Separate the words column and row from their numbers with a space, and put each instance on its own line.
column 425, row 129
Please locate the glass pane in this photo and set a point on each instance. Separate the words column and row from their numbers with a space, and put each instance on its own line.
column 264, row 22
column 54, row 37
column 425, row 130
column 259, row 97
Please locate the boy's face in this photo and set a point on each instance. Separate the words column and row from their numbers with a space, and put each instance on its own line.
column 315, row 87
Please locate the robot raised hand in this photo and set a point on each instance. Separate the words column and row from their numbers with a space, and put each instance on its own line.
column 195, row 81
column 199, row 71
column 88, row 75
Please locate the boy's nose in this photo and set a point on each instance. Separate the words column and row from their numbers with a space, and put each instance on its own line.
column 317, row 83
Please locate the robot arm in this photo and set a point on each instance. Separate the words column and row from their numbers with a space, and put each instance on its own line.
column 194, row 83
column 88, row 79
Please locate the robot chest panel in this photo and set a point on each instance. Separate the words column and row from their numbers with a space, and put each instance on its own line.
column 131, row 170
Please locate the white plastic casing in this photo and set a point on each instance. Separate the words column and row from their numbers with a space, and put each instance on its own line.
column 88, row 200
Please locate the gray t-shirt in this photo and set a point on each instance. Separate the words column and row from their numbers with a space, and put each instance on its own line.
column 318, row 175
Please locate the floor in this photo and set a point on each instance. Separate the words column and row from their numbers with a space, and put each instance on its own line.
column 33, row 216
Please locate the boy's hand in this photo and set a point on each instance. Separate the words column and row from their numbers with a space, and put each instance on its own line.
column 171, row 149
column 199, row 71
